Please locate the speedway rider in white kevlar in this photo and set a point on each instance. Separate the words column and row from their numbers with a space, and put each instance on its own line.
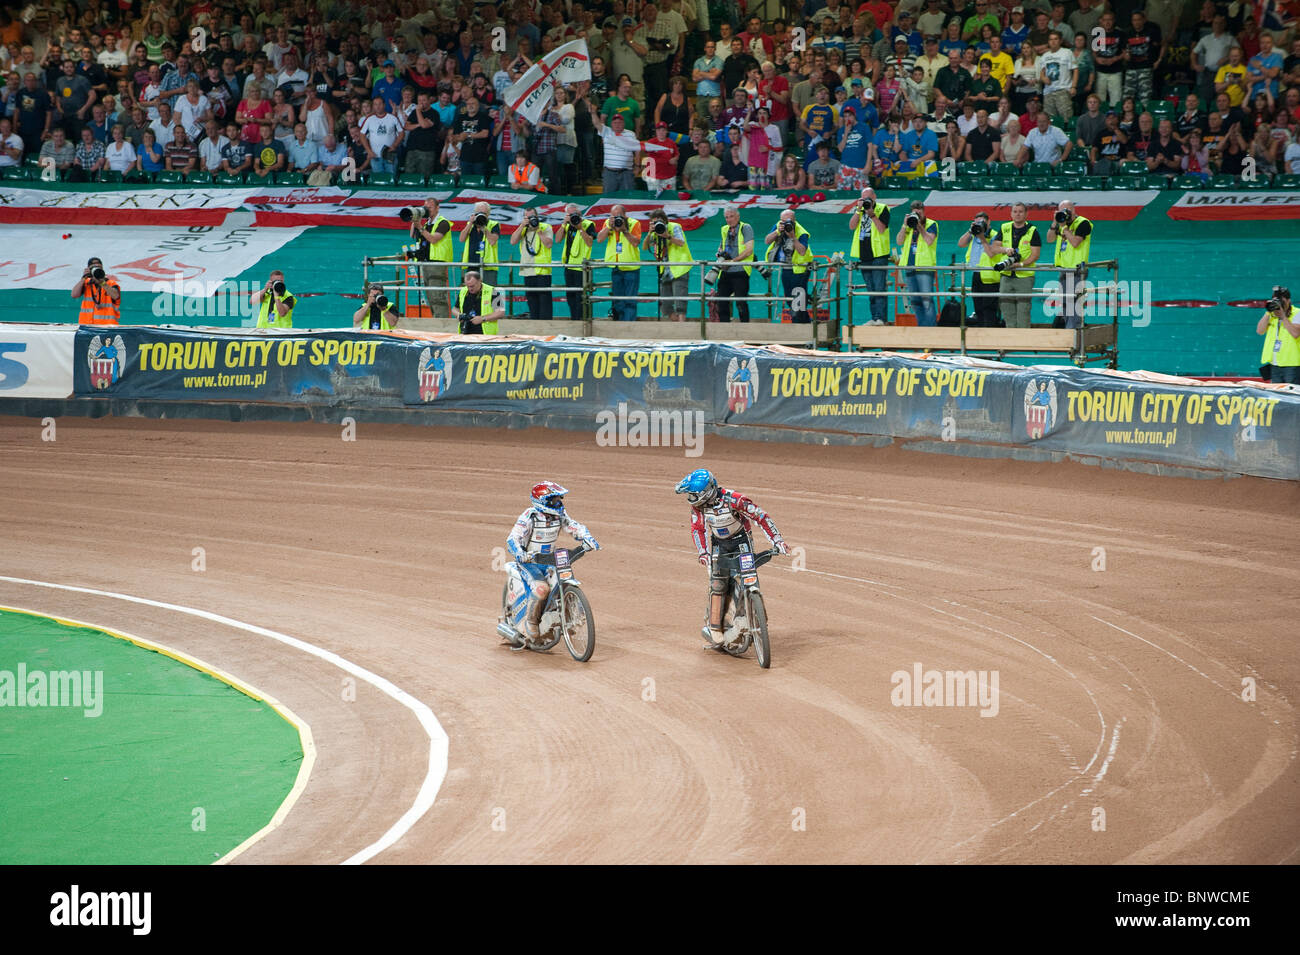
column 720, row 526
column 531, row 574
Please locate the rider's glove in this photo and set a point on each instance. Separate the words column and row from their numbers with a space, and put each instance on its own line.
column 781, row 546
column 591, row 543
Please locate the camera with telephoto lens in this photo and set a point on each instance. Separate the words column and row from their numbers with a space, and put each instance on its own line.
column 278, row 288
column 660, row 228
column 412, row 213
column 660, row 44
column 1061, row 216
column 532, row 221
column 382, row 303
column 619, row 222
column 1273, row 305
column 97, row 274
column 912, row 221
column 787, row 226
column 481, row 220
column 977, row 228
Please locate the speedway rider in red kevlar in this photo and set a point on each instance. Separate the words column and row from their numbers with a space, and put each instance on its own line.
column 720, row 525
column 532, row 544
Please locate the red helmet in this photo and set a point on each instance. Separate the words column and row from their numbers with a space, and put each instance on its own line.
column 792, row 199
column 548, row 497
column 805, row 198
column 683, row 195
column 819, row 197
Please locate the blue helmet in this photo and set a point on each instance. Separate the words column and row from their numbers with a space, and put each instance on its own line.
column 700, row 487
column 548, row 497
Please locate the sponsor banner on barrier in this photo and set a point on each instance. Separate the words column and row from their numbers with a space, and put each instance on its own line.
column 1115, row 206
column 140, row 257
column 36, row 360
column 561, row 377
column 1236, row 205
column 122, row 207
column 318, row 368
column 1230, row 429
column 888, row 396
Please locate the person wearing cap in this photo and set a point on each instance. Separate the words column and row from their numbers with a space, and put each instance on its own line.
column 823, row 170
column 621, row 149
column 1281, row 330
column 901, row 58
column 931, row 62
column 659, row 165
column 1016, row 32
column 906, row 28
column 864, row 104
column 920, row 149
column 389, row 86
column 100, row 294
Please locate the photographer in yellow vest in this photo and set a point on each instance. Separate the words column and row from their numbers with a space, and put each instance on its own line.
column 1022, row 245
column 432, row 232
column 576, row 239
column 919, row 241
column 870, row 251
column 980, row 255
column 535, row 239
column 480, row 236
column 788, row 246
column 1072, row 234
column 622, row 251
column 478, row 307
column 1280, row 326
column 376, row 313
column 276, row 303
column 668, row 242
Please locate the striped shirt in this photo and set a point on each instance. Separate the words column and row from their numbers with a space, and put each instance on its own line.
column 620, row 148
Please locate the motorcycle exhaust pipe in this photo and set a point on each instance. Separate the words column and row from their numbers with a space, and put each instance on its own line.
column 508, row 632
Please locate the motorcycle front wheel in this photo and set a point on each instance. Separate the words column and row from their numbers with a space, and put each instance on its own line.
column 577, row 624
column 758, row 629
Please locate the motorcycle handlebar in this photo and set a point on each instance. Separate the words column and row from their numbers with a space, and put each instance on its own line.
column 549, row 559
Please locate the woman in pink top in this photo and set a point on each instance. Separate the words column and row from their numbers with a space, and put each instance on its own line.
column 887, row 92
column 250, row 114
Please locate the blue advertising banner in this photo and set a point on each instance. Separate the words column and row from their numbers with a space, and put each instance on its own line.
column 320, row 367
column 900, row 397
column 573, row 378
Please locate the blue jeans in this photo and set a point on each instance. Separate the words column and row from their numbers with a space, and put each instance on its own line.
column 382, row 165
column 921, row 285
column 625, row 282
column 468, row 169
column 789, row 282
column 874, row 281
column 504, row 160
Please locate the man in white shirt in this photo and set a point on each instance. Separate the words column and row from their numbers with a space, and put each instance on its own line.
column 192, row 110
column 164, row 127
column 11, row 146
column 211, row 146
column 276, row 49
column 294, row 75
column 151, row 95
column 621, row 148
column 1059, row 74
column 1048, row 143
column 383, row 130
column 113, row 56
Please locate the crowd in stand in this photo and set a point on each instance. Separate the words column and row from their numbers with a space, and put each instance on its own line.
column 687, row 94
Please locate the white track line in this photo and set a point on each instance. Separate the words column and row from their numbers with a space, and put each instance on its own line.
column 438, row 742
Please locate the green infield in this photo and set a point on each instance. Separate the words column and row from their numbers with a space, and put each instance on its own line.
column 115, row 752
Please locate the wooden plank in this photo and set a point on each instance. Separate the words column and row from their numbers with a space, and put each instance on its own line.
column 891, row 337
column 1021, row 339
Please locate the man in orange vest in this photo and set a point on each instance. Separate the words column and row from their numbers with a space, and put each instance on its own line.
column 101, row 296
column 524, row 174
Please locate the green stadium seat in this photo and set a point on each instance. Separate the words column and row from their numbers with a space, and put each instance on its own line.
column 1058, row 122
column 1072, row 167
column 110, row 175
column 1160, row 109
column 411, row 180
column 32, row 162
column 16, row 172
column 380, row 179
column 1004, row 169
column 1288, row 180
column 199, row 178
column 290, row 179
column 1260, row 182
column 1225, row 181
column 971, row 168
column 229, row 179
column 1038, row 169
column 1127, row 182
column 1133, row 167
column 990, row 184
column 442, row 181
column 1036, row 182
column 136, row 175
column 1092, row 183
column 169, row 177
column 1155, row 181
column 1189, row 182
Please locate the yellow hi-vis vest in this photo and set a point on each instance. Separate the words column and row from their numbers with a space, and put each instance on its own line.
column 579, row 249
column 1067, row 256
column 625, row 247
column 1279, row 347
column 542, row 251
column 800, row 260
column 925, row 252
column 484, row 306
column 442, row 250
column 988, row 274
column 740, row 232
column 490, row 251
column 879, row 240
column 676, row 253
column 1025, row 248
column 266, row 320
column 383, row 321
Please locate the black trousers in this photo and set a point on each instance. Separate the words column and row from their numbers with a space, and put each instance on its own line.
column 986, row 309
column 539, row 303
column 656, row 82
column 573, row 279
column 733, row 285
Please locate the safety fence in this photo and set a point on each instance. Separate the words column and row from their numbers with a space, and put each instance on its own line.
column 833, row 298
column 963, row 404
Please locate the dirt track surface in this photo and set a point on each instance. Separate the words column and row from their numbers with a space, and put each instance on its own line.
column 1120, row 689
